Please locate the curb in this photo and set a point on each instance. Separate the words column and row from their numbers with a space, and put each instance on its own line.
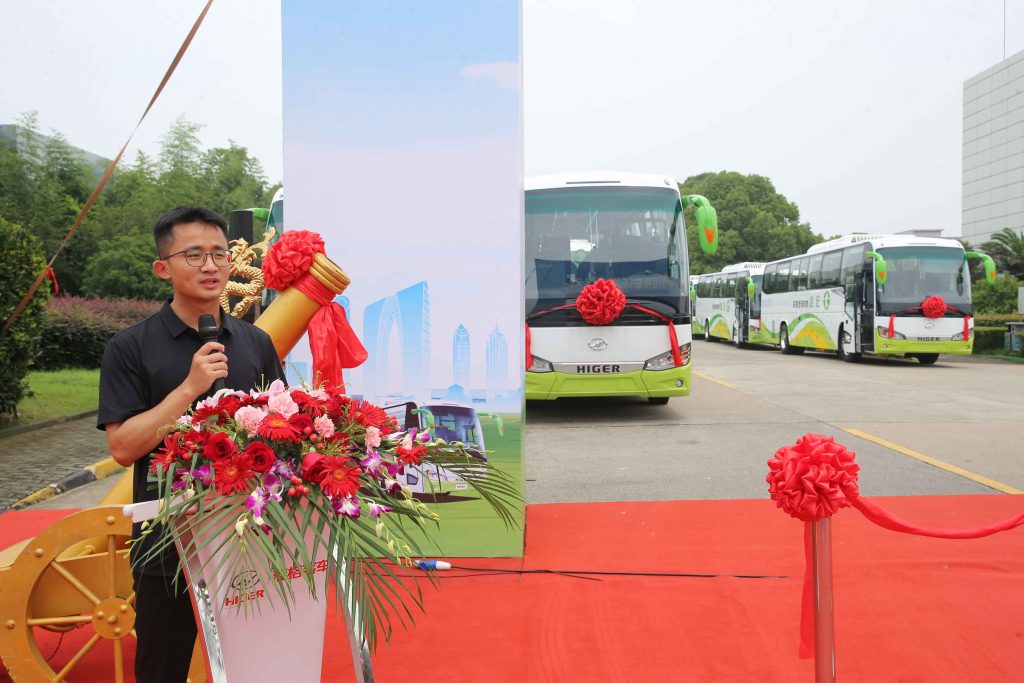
column 21, row 429
column 101, row 469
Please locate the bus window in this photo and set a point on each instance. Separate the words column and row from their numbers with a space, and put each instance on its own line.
column 782, row 277
column 830, row 264
column 852, row 260
column 729, row 288
column 769, row 278
column 814, row 272
column 798, row 275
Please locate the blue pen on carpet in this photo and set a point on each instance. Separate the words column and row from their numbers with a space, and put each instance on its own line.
column 433, row 565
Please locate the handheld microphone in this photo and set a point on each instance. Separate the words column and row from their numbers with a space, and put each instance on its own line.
column 208, row 332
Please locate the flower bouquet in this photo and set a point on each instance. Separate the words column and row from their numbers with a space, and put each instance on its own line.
column 295, row 483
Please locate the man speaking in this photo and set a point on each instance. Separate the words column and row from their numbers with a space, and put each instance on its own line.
column 151, row 374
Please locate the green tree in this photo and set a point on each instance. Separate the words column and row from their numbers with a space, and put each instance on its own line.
column 1007, row 249
column 123, row 270
column 757, row 222
column 19, row 345
column 1000, row 297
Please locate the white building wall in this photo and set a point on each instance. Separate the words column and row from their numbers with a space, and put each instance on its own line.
column 993, row 151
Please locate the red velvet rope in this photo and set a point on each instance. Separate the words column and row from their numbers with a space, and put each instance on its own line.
column 331, row 340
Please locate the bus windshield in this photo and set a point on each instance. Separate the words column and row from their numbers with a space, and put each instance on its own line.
column 915, row 273
column 633, row 235
column 457, row 423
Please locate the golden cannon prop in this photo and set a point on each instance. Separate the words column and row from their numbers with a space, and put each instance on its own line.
column 76, row 574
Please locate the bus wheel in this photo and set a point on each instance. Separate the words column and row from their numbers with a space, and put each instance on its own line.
column 841, row 353
column 736, row 337
column 784, row 344
column 707, row 332
column 657, row 400
column 926, row 358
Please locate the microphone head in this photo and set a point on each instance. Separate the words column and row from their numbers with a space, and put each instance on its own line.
column 208, row 330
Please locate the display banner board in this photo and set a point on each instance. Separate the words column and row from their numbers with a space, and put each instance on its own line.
column 403, row 148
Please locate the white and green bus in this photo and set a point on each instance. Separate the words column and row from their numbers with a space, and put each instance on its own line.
column 728, row 304
column 628, row 228
column 867, row 294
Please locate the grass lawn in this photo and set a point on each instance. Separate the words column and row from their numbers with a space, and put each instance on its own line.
column 58, row 393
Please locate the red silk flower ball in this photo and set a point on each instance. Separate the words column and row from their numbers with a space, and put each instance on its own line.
column 601, row 303
column 934, row 307
column 813, row 478
column 290, row 257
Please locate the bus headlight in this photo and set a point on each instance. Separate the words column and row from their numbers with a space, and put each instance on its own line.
column 539, row 365
column 884, row 332
column 665, row 360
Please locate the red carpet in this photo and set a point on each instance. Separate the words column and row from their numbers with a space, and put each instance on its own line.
column 907, row 608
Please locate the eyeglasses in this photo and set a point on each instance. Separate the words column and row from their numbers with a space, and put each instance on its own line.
column 197, row 257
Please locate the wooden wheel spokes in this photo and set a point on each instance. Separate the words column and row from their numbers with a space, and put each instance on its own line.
column 69, row 620
column 119, row 661
column 77, row 658
column 111, row 566
column 75, row 583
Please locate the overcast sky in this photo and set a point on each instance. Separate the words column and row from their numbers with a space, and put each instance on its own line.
column 854, row 110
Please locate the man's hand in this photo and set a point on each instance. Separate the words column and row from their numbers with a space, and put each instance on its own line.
column 208, row 365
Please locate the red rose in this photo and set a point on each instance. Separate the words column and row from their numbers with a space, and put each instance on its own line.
column 229, row 405
column 303, row 423
column 194, row 438
column 290, row 257
column 219, row 446
column 261, row 455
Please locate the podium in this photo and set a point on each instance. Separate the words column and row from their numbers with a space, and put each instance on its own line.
column 248, row 633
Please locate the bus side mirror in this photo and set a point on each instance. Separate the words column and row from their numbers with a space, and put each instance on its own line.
column 498, row 422
column 426, row 414
column 707, row 222
column 990, row 265
column 881, row 269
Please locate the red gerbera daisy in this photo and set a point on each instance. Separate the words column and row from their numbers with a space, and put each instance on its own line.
column 276, row 428
column 230, row 474
column 338, row 476
column 367, row 414
column 204, row 413
column 411, row 456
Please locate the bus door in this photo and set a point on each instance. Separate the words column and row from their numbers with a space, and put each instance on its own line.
column 865, row 306
column 742, row 308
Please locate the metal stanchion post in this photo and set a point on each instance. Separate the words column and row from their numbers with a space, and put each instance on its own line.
column 824, row 624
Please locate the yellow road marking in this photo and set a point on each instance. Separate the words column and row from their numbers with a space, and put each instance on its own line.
column 713, row 379
column 934, row 462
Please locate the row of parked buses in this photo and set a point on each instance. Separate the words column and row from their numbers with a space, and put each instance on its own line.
column 861, row 294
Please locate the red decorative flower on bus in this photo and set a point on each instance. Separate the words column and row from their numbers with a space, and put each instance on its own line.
column 601, row 303
column 934, row 307
column 290, row 257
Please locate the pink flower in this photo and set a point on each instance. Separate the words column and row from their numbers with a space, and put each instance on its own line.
column 283, row 403
column 371, row 463
column 250, row 418
column 372, row 438
column 376, row 509
column 324, row 426
column 276, row 387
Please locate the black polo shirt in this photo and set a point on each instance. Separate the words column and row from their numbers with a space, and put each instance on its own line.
column 144, row 363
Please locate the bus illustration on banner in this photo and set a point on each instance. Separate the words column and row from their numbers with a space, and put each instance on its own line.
column 452, row 422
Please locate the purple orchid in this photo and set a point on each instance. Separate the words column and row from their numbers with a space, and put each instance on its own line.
column 273, row 485
column 347, row 506
column 376, row 509
column 255, row 503
column 371, row 463
column 204, row 473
